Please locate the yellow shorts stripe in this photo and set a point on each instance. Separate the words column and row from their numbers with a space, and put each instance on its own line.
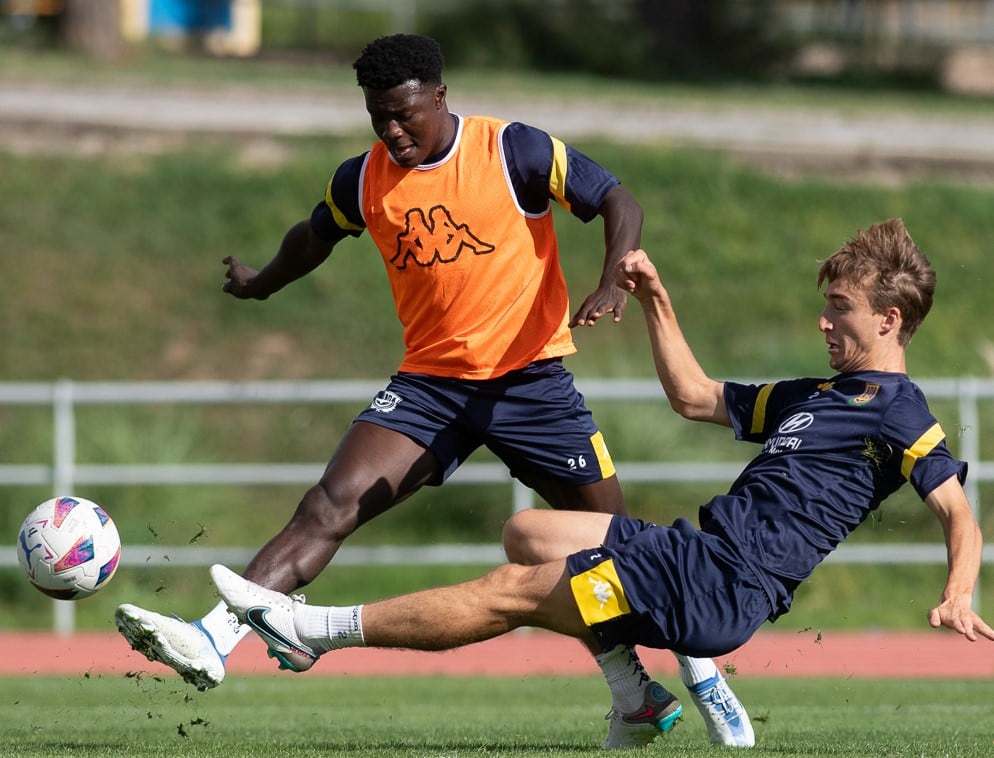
column 599, row 594
column 603, row 456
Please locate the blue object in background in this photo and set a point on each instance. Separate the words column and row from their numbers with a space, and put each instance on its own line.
column 188, row 15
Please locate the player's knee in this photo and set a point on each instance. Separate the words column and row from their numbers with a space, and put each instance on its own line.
column 518, row 538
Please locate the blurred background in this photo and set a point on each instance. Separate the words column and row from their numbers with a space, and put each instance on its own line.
column 141, row 141
column 927, row 42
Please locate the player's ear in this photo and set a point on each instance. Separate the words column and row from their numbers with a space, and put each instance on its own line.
column 892, row 320
column 440, row 92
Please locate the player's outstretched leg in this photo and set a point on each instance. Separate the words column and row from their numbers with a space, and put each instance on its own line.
column 726, row 720
column 187, row 648
column 270, row 614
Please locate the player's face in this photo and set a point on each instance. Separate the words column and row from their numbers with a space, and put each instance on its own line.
column 411, row 119
column 851, row 328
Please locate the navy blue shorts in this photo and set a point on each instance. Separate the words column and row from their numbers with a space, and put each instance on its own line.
column 533, row 419
column 670, row 587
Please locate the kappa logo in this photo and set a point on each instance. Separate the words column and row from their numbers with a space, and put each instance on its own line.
column 602, row 591
column 435, row 238
column 385, row 401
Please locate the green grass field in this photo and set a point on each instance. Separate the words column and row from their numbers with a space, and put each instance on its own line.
column 456, row 717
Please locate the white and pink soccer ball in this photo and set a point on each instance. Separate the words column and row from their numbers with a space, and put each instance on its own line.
column 68, row 547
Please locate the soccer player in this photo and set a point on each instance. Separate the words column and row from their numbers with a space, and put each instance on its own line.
column 460, row 209
column 832, row 450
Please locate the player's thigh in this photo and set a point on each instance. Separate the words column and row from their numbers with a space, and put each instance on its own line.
column 547, row 590
column 538, row 535
column 374, row 468
column 602, row 496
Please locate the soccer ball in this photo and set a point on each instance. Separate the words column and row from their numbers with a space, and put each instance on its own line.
column 68, row 547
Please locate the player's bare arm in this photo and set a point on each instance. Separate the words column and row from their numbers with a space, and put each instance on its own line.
column 691, row 392
column 622, row 216
column 300, row 252
column 964, row 546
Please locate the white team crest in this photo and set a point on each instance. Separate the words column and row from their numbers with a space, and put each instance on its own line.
column 385, row 401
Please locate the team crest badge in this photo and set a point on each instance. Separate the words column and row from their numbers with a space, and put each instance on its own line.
column 385, row 401
column 868, row 394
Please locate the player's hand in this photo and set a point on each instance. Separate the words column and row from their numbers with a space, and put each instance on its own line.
column 605, row 299
column 240, row 279
column 637, row 275
column 957, row 613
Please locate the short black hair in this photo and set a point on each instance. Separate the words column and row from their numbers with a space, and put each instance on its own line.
column 387, row 62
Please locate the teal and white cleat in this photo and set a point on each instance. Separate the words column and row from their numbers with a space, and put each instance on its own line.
column 269, row 613
column 659, row 713
column 184, row 647
column 726, row 719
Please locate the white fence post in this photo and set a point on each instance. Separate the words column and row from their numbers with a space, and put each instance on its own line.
column 63, row 477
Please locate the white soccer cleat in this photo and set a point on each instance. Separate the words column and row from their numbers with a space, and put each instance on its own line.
column 184, row 647
column 659, row 713
column 269, row 613
column 727, row 721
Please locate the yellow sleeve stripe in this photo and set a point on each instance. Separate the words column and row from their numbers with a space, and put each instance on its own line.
column 922, row 447
column 759, row 410
column 598, row 593
column 343, row 223
column 557, row 176
column 603, row 456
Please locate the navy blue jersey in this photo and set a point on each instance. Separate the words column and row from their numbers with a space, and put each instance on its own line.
column 833, row 449
column 533, row 161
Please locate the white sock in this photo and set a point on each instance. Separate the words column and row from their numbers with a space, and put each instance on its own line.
column 625, row 677
column 224, row 629
column 327, row 628
column 695, row 670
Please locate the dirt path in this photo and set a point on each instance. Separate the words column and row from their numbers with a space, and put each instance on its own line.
column 927, row 654
column 247, row 111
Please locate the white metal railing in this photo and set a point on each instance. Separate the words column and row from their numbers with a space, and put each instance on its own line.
column 65, row 474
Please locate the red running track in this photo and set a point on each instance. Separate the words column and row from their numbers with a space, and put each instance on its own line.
column 927, row 654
